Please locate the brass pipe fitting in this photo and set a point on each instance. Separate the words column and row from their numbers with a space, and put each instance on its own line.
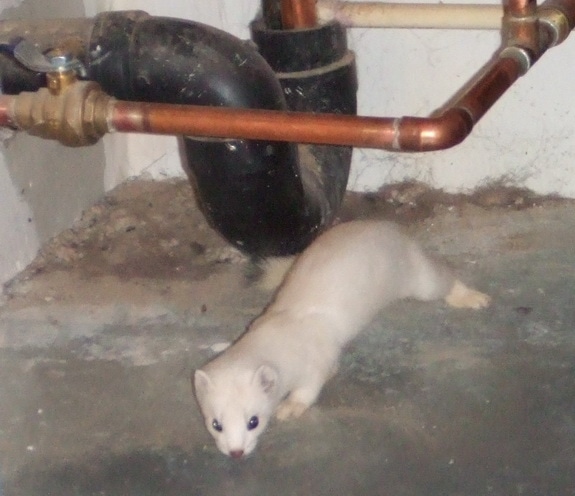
column 64, row 73
column 74, row 116
column 563, row 8
column 557, row 20
column 57, row 82
column 521, row 26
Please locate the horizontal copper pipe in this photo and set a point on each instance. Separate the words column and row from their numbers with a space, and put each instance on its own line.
column 298, row 14
column 399, row 134
column 273, row 125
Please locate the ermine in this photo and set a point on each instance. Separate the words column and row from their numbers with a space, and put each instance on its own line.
column 331, row 292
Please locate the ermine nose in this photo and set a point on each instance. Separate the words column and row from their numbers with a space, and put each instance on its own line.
column 237, row 453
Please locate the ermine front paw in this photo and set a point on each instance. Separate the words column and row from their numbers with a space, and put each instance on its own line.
column 290, row 409
column 461, row 296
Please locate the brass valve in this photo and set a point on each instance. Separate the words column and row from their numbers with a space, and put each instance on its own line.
column 75, row 115
column 68, row 110
column 63, row 71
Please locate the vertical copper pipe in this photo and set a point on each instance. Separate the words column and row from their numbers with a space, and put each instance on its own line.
column 521, row 8
column 297, row 14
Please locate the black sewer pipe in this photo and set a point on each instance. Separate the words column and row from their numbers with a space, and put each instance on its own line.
column 318, row 74
column 266, row 198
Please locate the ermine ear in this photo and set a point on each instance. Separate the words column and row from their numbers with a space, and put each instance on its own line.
column 202, row 382
column 266, row 377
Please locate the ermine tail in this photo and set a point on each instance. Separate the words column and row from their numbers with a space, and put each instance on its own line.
column 274, row 270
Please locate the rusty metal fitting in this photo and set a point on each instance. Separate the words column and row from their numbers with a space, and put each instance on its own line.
column 76, row 116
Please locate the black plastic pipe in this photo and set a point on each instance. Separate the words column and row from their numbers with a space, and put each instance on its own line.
column 318, row 74
column 267, row 198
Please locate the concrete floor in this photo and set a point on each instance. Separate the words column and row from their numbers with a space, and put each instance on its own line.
column 99, row 336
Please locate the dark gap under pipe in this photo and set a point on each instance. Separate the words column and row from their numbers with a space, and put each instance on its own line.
column 265, row 197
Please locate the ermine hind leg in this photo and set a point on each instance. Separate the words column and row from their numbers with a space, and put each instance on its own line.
column 461, row 296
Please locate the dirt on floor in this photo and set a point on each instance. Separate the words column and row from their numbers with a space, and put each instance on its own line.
column 155, row 230
column 99, row 334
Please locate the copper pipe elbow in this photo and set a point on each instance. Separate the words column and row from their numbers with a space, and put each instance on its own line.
column 435, row 133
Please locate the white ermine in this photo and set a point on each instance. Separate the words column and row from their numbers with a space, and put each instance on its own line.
column 334, row 289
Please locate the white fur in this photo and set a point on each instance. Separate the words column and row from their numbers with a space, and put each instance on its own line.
column 333, row 290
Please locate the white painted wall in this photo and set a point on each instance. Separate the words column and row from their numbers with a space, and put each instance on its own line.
column 527, row 138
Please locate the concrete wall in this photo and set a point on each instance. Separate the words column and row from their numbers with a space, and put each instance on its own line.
column 526, row 139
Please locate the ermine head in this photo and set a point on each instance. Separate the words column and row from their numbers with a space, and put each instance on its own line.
column 236, row 406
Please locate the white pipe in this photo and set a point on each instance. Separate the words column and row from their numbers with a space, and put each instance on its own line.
column 411, row 15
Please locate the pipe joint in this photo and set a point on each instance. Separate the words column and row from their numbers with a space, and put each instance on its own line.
column 521, row 55
column 522, row 32
column 560, row 14
column 436, row 133
column 555, row 24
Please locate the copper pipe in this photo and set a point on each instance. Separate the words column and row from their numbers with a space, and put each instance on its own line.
column 298, row 14
column 488, row 87
column 521, row 8
column 274, row 125
column 400, row 134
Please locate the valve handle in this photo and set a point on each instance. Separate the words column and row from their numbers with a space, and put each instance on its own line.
column 31, row 57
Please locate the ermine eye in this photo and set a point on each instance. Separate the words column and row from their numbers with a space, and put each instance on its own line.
column 217, row 426
column 253, row 423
